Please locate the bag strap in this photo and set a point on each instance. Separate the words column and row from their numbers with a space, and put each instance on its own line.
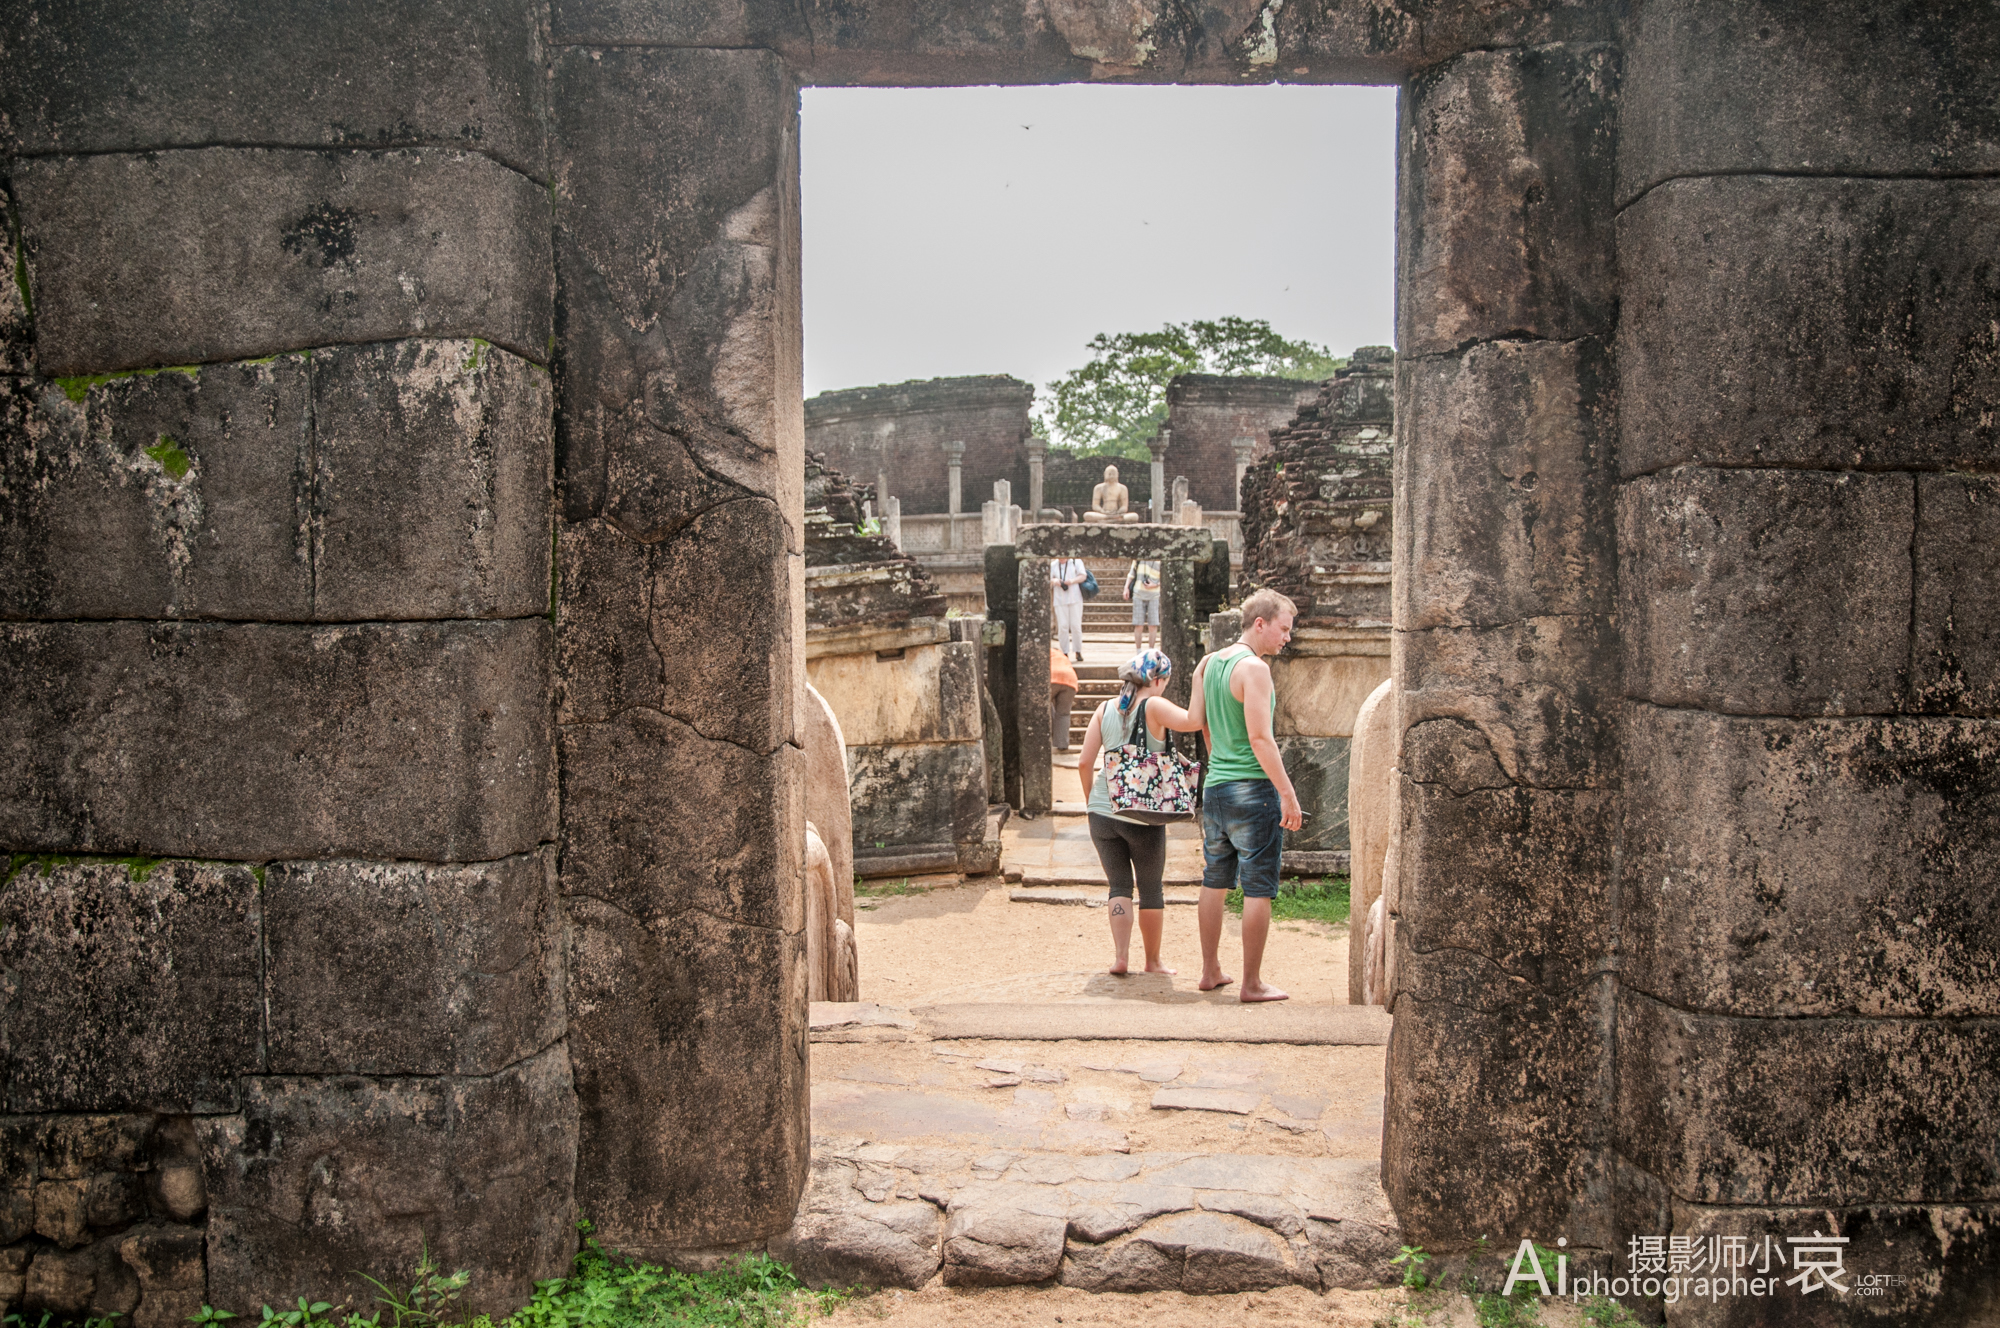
column 1141, row 734
column 1138, row 730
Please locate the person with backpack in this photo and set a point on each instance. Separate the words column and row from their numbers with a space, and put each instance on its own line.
column 1066, row 578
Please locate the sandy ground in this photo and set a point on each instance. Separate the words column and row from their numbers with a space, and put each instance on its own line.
column 971, row 944
column 1287, row 1307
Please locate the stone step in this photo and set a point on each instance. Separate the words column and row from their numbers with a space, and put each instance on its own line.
column 1144, row 1021
column 889, row 1215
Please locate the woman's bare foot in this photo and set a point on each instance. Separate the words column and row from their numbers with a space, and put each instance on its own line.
column 1263, row 991
column 1210, row 983
column 1157, row 967
column 1119, row 967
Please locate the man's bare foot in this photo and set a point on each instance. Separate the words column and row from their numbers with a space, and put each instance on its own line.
column 1220, row 980
column 1263, row 991
column 1157, row 967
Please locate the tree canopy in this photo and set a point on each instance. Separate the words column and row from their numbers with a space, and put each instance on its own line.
column 1113, row 404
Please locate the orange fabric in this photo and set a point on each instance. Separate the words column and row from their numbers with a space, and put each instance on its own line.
column 1060, row 672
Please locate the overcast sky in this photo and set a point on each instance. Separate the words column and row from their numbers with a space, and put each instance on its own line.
column 995, row 230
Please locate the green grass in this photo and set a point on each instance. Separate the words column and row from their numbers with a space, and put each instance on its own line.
column 877, row 889
column 604, row 1289
column 1324, row 900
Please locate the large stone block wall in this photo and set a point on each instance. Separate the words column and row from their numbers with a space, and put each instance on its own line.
column 898, row 433
column 1807, row 438
column 281, row 778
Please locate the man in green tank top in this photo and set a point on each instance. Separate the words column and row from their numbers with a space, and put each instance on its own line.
column 1247, row 800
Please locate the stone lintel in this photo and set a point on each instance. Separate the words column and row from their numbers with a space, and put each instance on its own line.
column 1128, row 540
column 861, row 640
column 1364, row 638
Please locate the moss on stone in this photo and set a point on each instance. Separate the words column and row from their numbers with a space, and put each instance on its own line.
column 78, row 387
column 136, row 868
column 477, row 359
column 168, row 453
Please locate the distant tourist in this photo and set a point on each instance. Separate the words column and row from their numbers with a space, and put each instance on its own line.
column 1066, row 576
column 1142, row 587
column 1062, row 698
column 1247, row 800
column 1133, row 853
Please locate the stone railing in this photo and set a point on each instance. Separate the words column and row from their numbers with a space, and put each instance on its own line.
column 931, row 532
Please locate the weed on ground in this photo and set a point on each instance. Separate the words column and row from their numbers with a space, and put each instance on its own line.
column 1324, row 900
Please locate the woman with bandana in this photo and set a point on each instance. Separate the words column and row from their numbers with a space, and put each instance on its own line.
column 1134, row 853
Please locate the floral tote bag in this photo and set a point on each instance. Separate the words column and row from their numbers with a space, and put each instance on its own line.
column 1154, row 787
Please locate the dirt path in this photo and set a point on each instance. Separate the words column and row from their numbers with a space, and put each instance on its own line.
column 971, row 944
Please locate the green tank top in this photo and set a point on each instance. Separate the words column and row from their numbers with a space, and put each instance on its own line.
column 1229, row 754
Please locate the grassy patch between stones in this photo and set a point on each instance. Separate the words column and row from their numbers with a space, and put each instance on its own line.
column 604, row 1289
column 1324, row 900
column 886, row 887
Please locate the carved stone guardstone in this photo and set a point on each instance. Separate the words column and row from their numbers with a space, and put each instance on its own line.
column 1371, row 805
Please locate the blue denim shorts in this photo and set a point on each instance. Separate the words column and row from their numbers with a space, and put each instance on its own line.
column 1241, row 839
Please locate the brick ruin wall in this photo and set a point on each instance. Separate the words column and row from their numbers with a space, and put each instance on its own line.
column 1207, row 413
column 1696, row 480
column 899, row 432
column 1318, row 507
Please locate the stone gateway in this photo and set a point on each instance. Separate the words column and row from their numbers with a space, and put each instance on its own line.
column 404, row 539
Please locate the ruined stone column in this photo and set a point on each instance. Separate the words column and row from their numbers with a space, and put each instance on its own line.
column 1180, row 633
column 1034, row 619
column 1242, row 447
column 1504, row 659
column 892, row 523
column 954, row 462
column 1038, row 450
column 677, row 242
column 1156, row 447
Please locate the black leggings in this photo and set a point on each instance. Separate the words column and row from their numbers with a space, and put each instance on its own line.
column 1125, row 849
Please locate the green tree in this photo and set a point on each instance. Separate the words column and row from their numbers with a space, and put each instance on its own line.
column 1113, row 404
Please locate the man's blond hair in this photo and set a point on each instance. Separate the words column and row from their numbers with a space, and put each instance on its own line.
column 1268, row 605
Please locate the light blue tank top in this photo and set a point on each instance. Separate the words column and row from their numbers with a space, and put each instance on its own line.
column 1114, row 729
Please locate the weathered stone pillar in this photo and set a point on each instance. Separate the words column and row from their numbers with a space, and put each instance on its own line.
column 1243, row 448
column 1807, row 550
column 1038, row 450
column 954, row 462
column 1171, row 513
column 1156, row 447
column 1034, row 613
column 1180, row 633
column 677, row 243
column 892, row 523
column 1506, row 671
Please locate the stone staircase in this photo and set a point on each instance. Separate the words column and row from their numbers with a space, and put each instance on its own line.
column 1107, row 643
